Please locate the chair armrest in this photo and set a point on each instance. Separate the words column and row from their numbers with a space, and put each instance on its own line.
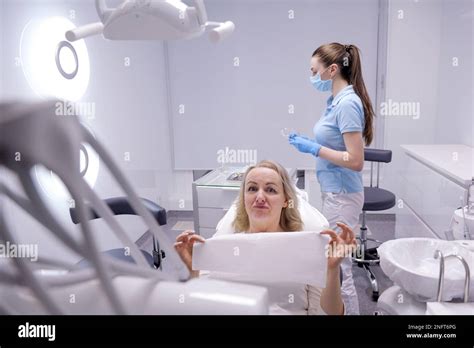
column 121, row 206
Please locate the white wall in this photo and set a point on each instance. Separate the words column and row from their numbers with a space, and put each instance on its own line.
column 455, row 121
column 421, row 48
column 243, row 91
column 412, row 76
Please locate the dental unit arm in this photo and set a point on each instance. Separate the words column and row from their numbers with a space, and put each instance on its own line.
column 462, row 222
column 469, row 233
column 109, row 286
column 470, row 198
column 152, row 20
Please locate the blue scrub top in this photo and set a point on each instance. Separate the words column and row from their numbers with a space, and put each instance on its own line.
column 344, row 113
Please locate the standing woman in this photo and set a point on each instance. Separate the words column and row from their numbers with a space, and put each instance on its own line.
column 338, row 143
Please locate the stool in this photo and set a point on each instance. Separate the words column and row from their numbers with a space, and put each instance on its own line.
column 375, row 199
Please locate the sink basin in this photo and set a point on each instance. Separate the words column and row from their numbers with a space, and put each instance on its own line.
column 446, row 308
column 410, row 263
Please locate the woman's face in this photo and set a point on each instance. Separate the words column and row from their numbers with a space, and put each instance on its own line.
column 317, row 66
column 264, row 199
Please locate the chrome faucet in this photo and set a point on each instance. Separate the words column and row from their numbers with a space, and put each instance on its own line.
column 439, row 254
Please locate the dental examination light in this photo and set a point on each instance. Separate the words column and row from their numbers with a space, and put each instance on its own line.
column 152, row 20
column 54, row 67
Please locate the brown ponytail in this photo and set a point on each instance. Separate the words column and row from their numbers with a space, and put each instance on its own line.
column 347, row 57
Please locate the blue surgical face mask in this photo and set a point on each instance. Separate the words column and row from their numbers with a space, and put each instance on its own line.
column 321, row 85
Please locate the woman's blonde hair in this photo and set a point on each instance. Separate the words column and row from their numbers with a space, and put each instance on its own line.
column 290, row 219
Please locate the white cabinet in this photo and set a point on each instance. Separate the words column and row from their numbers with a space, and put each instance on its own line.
column 435, row 182
column 217, row 196
column 213, row 194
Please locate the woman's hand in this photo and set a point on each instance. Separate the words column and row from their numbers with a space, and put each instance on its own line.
column 304, row 144
column 184, row 247
column 340, row 245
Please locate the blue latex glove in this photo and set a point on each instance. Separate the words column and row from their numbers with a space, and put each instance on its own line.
column 304, row 144
column 292, row 135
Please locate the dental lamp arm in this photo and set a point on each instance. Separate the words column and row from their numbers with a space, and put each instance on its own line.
column 201, row 11
column 102, row 10
column 164, row 11
column 221, row 30
column 94, row 28
column 84, row 31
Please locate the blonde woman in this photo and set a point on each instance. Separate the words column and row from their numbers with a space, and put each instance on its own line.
column 267, row 203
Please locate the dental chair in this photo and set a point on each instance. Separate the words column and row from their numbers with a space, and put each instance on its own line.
column 121, row 206
column 375, row 199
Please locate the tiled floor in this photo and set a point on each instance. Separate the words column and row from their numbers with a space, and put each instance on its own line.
column 382, row 227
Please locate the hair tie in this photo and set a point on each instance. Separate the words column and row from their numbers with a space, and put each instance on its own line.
column 346, row 47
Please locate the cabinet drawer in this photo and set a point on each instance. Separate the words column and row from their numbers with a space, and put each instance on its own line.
column 216, row 197
column 209, row 217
